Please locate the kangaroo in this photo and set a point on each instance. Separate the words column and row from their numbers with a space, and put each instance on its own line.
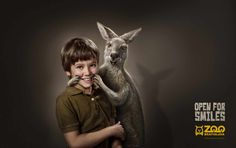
column 119, row 86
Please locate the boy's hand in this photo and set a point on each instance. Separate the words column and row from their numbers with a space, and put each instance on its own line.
column 73, row 81
column 116, row 144
column 117, row 130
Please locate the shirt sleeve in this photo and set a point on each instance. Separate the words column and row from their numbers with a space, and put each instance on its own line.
column 66, row 116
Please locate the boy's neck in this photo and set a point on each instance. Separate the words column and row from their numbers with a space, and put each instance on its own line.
column 87, row 91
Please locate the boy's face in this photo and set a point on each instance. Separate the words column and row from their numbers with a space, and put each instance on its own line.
column 85, row 70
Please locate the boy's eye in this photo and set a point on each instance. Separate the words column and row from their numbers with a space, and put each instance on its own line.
column 79, row 67
column 93, row 65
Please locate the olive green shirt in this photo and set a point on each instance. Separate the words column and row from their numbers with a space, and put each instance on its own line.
column 84, row 113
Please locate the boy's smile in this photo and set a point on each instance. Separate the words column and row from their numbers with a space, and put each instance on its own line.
column 86, row 80
column 86, row 71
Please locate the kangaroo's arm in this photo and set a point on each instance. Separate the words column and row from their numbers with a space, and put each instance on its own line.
column 116, row 98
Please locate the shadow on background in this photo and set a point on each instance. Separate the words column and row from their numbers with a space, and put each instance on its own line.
column 158, row 130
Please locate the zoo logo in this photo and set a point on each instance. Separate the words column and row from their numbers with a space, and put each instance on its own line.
column 210, row 130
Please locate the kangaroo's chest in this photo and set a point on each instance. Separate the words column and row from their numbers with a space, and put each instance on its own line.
column 114, row 79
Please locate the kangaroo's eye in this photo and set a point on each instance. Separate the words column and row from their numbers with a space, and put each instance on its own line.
column 108, row 45
column 123, row 47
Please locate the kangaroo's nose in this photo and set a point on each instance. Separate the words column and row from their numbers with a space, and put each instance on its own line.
column 114, row 56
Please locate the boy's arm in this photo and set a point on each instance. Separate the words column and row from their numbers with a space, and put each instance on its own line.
column 75, row 139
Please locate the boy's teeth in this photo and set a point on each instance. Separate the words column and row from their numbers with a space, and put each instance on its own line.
column 86, row 78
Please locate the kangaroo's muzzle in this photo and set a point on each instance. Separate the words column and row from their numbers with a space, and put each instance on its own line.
column 114, row 56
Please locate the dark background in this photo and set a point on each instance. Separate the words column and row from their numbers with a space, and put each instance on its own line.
column 184, row 54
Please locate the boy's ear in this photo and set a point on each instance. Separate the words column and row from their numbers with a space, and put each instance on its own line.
column 128, row 37
column 106, row 32
column 68, row 73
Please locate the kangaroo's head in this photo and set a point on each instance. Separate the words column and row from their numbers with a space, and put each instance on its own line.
column 116, row 49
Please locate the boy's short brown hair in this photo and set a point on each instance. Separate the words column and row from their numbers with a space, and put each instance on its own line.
column 78, row 49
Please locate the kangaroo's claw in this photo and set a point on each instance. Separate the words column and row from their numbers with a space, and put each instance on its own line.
column 73, row 81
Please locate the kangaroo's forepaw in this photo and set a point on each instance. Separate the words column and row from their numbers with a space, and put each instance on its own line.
column 73, row 81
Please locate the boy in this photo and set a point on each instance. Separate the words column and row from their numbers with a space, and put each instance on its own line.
column 84, row 114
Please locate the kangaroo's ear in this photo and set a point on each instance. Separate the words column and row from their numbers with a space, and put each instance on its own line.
column 106, row 32
column 128, row 37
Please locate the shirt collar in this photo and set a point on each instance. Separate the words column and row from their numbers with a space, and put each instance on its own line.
column 73, row 90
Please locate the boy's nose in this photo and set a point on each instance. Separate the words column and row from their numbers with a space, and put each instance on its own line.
column 86, row 71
